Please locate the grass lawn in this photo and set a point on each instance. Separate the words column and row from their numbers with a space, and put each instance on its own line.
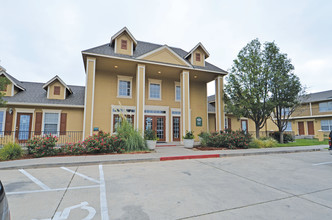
column 304, row 142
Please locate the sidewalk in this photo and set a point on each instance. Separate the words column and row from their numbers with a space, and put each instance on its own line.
column 161, row 154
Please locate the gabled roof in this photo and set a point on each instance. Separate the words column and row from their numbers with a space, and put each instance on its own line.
column 107, row 50
column 14, row 81
column 318, row 96
column 125, row 29
column 60, row 80
column 201, row 46
column 161, row 48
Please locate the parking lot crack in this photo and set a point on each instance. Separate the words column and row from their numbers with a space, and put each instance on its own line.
column 65, row 192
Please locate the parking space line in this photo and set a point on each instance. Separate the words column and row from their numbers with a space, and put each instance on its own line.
column 103, row 201
column 51, row 190
column 35, row 180
column 81, row 175
column 317, row 164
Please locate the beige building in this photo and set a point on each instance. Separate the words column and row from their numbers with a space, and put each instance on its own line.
column 155, row 86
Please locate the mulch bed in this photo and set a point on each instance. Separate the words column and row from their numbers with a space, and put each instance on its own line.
column 214, row 148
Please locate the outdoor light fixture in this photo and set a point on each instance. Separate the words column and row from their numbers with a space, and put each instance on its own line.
column 115, row 67
column 10, row 111
column 195, row 76
column 159, row 72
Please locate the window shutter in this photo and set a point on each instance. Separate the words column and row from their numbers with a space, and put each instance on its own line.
column 56, row 90
column 8, row 123
column 63, row 123
column 38, row 124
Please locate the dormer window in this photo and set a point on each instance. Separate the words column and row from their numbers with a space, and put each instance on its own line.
column 56, row 90
column 198, row 57
column 124, row 44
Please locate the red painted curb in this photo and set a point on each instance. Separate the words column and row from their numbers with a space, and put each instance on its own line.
column 190, row 157
column 165, row 145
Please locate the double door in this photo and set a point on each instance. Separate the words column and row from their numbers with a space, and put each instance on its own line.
column 156, row 123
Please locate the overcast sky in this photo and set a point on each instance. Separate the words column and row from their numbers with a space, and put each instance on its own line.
column 40, row 39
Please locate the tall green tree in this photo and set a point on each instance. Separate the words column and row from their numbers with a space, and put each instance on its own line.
column 247, row 90
column 3, row 84
column 285, row 87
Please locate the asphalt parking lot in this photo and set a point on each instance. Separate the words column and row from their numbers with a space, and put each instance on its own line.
column 279, row 186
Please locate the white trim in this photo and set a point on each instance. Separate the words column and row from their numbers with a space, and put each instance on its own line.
column 192, row 59
column 13, row 90
column 155, row 81
column 40, row 104
column 219, row 101
column 161, row 48
column 115, row 45
column 48, row 93
column 132, row 48
column 175, row 85
column 125, row 78
column 308, row 117
column 60, row 80
column 6, row 75
column 137, row 93
column 175, row 115
column 51, row 111
column 114, row 37
column 154, row 62
column 184, row 108
column 93, row 95
column 198, row 45
column 204, row 59
column 4, row 110
column 143, row 99
column 25, row 110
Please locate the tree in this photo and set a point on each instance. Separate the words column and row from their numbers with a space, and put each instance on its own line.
column 3, row 84
column 284, row 85
column 247, row 90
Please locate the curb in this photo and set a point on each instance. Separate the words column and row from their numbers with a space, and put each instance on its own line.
column 156, row 159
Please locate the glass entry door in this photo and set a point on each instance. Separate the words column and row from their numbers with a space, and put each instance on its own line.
column 23, row 126
column 176, row 128
column 156, row 123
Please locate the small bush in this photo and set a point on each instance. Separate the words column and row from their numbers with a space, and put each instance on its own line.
column 42, row 146
column 150, row 135
column 74, row 148
column 287, row 137
column 266, row 143
column 103, row 143
column 133, row 140
column 189, row 135
column 229, row 139
column 11, row 151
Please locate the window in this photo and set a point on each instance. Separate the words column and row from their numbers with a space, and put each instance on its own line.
column 177, row 93
column 117, row 121
column 124, row 86
column 51, row 123
column 198, row 57
column 124, row 44
column 325, row 107
column 56, row 90
column 326, row 125
column 2, row 122
column 154, row 89
column 289, row 126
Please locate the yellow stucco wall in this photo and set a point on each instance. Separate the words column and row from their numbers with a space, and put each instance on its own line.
column 165, row 56
column 197, row 63
column 9, row 90
column 106, row 95
column 198, row 95
column 124, row 36
column 50, row 89
column 212, row 122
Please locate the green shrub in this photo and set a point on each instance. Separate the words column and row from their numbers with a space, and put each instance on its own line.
column 189, row 135
column 266, row 143
column 42, row 146
column 74, row 148
column 229, row 139
column 11, row 151
column 287, row 137
column 133, row 140
column 150, row 134
column 101, row 143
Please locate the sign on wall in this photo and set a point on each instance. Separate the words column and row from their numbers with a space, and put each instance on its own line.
column 199, row 121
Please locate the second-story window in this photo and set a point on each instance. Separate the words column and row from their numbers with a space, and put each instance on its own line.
column 124, row 86
column 198, row 57
column 325, row 107
column 177, row 93
column 124, row 44
column 56, row 90
column 155, row 89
